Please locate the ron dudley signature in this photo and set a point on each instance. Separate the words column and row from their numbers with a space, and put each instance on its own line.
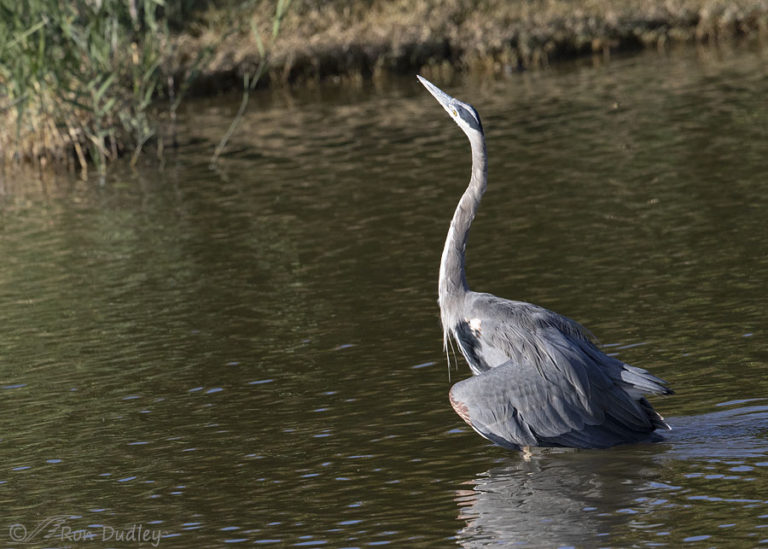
column 56, row 528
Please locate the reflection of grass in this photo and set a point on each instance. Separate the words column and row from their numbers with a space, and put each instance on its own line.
column 77, row 79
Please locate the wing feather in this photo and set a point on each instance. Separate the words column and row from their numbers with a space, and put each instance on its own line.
column 514, row 405
column 540, row 380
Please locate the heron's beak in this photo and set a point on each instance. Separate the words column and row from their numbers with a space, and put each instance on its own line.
column 443, row 98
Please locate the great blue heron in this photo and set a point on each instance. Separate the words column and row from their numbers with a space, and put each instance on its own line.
column 539, row 380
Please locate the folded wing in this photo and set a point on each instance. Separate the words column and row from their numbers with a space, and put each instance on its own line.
column 571, row 395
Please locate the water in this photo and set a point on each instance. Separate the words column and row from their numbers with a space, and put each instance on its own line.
column 253, row 355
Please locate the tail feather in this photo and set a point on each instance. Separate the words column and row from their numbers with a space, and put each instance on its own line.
column 644, row 381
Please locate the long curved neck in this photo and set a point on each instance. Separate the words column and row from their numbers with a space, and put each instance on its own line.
column 453, row 279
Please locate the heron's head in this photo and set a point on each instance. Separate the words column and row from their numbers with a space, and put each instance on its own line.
column 462, row 113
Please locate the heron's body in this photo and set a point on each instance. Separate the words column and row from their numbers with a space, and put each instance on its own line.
column 539, row 380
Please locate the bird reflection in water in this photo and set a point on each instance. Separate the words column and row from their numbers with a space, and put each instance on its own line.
column 589, row 498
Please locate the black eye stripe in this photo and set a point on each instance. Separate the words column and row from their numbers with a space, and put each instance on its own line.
column 467, row 117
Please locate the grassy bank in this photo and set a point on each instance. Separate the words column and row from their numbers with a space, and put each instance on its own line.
column 322, row 39
column 86, row 81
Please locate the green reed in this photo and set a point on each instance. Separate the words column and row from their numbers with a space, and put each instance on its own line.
column 80, row 81
column 250, row 80
column 77, row 78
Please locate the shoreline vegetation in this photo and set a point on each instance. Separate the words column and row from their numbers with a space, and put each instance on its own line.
column 84, row 82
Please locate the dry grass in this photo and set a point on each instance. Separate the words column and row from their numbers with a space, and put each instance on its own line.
column 321, row 39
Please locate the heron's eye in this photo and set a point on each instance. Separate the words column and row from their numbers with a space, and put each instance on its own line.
column 454, row 112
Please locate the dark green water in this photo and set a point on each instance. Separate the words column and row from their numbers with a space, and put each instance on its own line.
column 252, row 355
